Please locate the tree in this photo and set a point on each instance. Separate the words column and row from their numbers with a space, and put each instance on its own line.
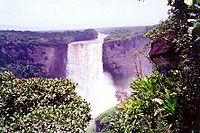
column 41, row 105
column 184, row 69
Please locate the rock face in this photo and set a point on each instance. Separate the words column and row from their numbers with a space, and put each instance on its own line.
column 163, row 54
column 28, row 53
column 121, row 58
column 52, row 58
column 124, row 60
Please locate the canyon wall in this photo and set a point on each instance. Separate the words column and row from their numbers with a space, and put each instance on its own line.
column 44, row 54
column 126, row 59
column 51, row 58
column 121, row 58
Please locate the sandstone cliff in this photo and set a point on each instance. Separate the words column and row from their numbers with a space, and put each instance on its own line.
column 51, row 58
column 26, row 53
column 124, row 59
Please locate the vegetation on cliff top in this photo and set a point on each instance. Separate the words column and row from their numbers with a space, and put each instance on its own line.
column 124, row 33
column 42, row 38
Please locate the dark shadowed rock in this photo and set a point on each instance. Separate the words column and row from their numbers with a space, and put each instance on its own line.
column 163, row 53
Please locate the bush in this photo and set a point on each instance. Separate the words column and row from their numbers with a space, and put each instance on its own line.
column 181, row 53
column 41, row 105
column 104, row 117
column 151, row 108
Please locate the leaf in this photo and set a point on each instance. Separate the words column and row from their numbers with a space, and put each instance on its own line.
column 158, row 100
column 188, row 2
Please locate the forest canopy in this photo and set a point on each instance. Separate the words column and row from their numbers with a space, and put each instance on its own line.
column 11, row 37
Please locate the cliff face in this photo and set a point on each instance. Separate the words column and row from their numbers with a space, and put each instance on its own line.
column 32, row 54
column 51, row 58
column 124, row 60
column 121, row 58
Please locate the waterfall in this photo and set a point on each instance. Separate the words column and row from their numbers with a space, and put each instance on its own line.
column 85, row 67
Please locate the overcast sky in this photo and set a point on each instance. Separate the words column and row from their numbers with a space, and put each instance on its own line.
column 70, row 14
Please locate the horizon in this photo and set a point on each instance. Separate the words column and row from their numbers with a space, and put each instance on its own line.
column 62, row 30
column 51, row 15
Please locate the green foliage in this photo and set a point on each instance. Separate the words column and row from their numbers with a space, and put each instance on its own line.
column 101, row 119
column 151, row 108
column 105, row 116
column 124, row 33
column 15, row 61
column 26, row 71
column 169, row 100
column 8, row 60
column 45, row 38
column 41, row 105
column 186, row 72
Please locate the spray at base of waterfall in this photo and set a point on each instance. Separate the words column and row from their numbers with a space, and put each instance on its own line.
column 105, row 95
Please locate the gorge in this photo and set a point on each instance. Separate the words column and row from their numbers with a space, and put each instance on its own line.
column 102, row 69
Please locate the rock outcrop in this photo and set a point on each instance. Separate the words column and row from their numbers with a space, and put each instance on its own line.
column 53, row 58
column 125, row 60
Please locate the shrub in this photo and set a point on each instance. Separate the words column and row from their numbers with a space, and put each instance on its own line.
column 104, row 117
column 41, row 105
column 151, row 108
column 183, row 51
column 99, row 121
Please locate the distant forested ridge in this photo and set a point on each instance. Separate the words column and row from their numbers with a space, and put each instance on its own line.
column 124, row 33
column 37, row 38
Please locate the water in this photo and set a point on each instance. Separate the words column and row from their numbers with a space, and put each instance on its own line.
column 85, row 66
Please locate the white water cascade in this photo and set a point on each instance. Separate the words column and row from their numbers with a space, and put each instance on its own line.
column 86, row 68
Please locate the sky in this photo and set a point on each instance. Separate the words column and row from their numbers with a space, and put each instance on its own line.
column 79, row 14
